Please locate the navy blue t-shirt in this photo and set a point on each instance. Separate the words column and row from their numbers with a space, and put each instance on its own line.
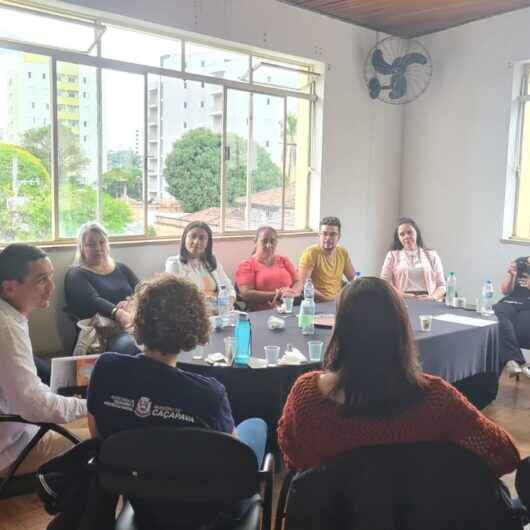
column 128, row 392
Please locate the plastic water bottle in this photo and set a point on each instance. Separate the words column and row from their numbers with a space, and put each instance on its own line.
column 306, row 317
column 487, row 298
column 309, row 290
column 243, row 338
column 223, row 305
column 451, row 290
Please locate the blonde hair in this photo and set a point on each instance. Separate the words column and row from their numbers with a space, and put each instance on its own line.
column 91, row 226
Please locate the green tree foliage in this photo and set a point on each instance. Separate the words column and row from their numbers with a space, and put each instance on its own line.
column 193, row 166
column 72, row 161
column 123, row 182
column 25, row 199
column 26, row 204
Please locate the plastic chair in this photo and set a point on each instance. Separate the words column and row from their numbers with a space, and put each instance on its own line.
column 166, row 472
column 399, row 487
column 11, row 485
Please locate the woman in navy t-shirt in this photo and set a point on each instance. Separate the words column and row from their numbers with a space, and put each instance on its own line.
column 127, row 392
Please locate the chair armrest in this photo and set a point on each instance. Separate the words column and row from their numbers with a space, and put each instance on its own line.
column 266, row 475
column 14, row 418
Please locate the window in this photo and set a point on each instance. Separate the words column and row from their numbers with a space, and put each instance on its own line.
column 212, row 123
column 521, row 217
column 25, row 166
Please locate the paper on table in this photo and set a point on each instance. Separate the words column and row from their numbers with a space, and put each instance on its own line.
column 466, row 321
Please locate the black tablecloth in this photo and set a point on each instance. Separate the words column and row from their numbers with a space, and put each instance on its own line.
column 463, row 355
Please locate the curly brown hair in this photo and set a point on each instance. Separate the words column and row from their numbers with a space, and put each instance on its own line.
column 170, row 315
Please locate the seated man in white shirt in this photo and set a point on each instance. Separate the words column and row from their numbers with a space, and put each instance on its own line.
column 26, row 283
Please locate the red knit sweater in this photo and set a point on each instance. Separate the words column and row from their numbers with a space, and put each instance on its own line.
column 310, row 431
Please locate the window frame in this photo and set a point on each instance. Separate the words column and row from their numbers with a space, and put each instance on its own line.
column 101, row 63
column 522, row 100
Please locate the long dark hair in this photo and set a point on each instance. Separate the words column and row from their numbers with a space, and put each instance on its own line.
column 373, row 351
column 207, row 258
column 396, row 243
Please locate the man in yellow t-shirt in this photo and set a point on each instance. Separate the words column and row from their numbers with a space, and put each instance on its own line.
column 326, row 262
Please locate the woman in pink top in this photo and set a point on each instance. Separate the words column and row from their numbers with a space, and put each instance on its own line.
column 413, row 270
column 264, row 278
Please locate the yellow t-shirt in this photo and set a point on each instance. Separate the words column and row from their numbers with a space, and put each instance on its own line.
column 327, row 270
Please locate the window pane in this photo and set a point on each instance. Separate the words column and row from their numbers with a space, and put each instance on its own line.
column 45, row 31
column 184, row 154
column 216, row 62
column 522, row 220
column 123, row 133
column 25, row 143
column 141, row 48
column 284, row 75
column 297, row 163
column 266, row 175
column 78, row 146
column 237, row 131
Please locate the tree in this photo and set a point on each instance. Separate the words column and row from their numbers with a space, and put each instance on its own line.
column 72, row 161
column 25, row 196
column 123, row 182
column 193, row 168
column 26, row 204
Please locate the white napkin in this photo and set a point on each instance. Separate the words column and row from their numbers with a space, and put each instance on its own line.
column 275, row 322
column 256, row 362
column 293, row 357
column 213, row 358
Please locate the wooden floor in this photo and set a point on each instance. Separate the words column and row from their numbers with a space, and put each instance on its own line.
column 510, row 410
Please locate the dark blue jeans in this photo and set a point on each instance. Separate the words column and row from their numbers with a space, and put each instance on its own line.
column 123, row 343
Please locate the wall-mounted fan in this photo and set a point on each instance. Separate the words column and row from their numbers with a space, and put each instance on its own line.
column 397, row 70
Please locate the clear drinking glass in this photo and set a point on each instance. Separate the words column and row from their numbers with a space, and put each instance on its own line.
column 271, row 354
column 315, row 350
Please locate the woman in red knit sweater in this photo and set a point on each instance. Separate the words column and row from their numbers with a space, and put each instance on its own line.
column 372, row 391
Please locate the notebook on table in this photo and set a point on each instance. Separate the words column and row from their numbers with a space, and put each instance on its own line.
column 324, row 320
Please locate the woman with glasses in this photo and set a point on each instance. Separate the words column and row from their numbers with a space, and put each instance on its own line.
column 264, row 278
column 99, row 284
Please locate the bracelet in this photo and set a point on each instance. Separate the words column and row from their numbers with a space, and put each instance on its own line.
column 113, row 313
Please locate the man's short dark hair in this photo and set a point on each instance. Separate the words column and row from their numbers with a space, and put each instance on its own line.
column 15, row 260
column 330, row 221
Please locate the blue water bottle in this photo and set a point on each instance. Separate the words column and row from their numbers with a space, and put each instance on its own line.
column 243, row 336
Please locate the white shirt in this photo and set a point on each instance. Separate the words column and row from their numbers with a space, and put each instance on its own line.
column 21, row 390
column 416, row 279
column 200, row 275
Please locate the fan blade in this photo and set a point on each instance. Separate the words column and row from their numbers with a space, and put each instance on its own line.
column 399, row 86
column 379, row 63
column 410, row 58
column 375, row 87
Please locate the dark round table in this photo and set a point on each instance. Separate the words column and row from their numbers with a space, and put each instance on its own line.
column 466, row 356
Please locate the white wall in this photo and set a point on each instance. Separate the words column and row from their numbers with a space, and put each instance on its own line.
column 455, row 152
column 361, row 157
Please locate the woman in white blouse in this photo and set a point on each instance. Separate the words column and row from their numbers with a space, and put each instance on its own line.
column 197, row 262
column 412, row 269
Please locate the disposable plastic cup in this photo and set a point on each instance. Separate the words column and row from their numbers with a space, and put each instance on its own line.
column 315, row 350
column 271, row 354
column 198, row 353
column 425, row 322
column 230, row 349
column 288, row 302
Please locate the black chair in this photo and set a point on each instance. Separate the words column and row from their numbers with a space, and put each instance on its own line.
column 10, row 485
column 205, row 472
column 399, row 487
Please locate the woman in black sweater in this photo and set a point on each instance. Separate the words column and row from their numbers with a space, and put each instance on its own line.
column 98, row 284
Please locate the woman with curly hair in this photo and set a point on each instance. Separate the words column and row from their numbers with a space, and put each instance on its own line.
column 149, row 390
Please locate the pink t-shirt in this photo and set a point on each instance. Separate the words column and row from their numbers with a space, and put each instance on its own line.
column 258, row 276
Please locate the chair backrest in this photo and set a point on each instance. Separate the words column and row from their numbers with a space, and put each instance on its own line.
column 400, row 487
column 184, row 465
